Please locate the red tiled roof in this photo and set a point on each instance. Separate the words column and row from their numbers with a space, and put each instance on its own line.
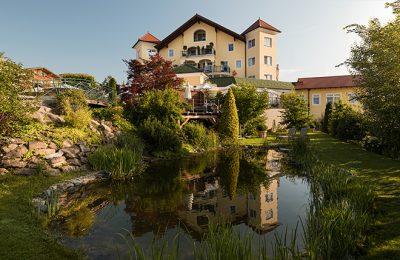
column 326, row 82
column 148, row 37
column 260, row 24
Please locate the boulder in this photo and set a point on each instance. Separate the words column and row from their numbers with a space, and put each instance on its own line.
column 17, row 152
column 84, row 148
column 25, row 171
column 53, row 172
column 54, row 155
column 94, row 123
column 46, row 152
column 3, row 171
column 44, row 109
column 37, row 145
column 74, row 162
column 58, row 162
column 70, row 168
column 8, row 148
column 84, row 159
column 55, row 118
column 71, row 152
column 13, row 163
column 67, row 144
column 53, row 146
column 40, row 117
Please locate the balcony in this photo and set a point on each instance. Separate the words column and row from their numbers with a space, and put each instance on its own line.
column 217, row 70
column 196, row 52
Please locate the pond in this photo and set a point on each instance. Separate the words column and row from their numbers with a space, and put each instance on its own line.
column 244, row 187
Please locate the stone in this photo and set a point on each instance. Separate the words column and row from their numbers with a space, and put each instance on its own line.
column 40, row 117
column 84, row 159
column 71, row 152
column 70, row 168
column 58, row 162
column 55, row 118
column 84, row 168
column 54, row 155
column 17, row 152
column 46, row 152
column 53, row 172
column 26, row 171
column 67, row 144
column 53, row 146
column 106, row 128
column 14, row 163
column 37, row 145
column 74, row 162
column 84, row 148
column 94, row 123
column 3, row 171
column 8, row 148
column 44, row 109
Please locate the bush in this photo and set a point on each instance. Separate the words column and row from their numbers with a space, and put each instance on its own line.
column 229, row 123
column 372, row 144
column 254, row 125
column 327, row 115
column 79, row 119
column 158, row 137
column 200, row 137
column 71, row 100
column 115, row 115
column 296, row 111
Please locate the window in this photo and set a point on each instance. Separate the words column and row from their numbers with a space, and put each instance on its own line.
column 268, row 60
column 171, row 52
column 151, row 52
column 316, row 99
column 252, row 213
column 252, row 77
column 269, row 197
column 251, row 43
column 230, row 47
column 351, row 98
column 199, row 36
column 268, row 76
column 252, row 61
column 332, row 98
column 233, row 209
column 238, row 64
column 267, row 42
column 269, row 214
column 225, row 67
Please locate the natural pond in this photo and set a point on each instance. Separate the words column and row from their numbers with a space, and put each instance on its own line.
column 184, row 196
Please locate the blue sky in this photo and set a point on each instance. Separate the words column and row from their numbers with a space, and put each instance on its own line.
column 94, row 36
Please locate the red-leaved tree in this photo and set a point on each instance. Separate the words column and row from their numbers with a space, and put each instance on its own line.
column 146, row 75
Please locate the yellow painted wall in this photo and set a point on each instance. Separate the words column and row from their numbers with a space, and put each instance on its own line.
column 317, row 111
column 142, row 48
column 194, row 79
column 223, row 53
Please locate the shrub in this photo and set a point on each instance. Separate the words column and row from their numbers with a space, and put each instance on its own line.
column 229, row 124
column 79, row 119
column 158, row 137
column 327, row 115
column 372, row 144
column 115, row 115
column 296, row 111
column 200, row 137
column 71, row 100
column 254, row 125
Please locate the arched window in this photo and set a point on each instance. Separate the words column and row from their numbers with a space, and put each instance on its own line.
column 199, row 35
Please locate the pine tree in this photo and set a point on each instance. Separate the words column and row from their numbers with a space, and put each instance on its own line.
column 327, row 115
column 114, row 94
column 229, row 124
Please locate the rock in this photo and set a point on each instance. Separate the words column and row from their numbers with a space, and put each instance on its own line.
column 53, row 172
column 70, row 168
column 46, row 152
column 67, row 144
column 26, row 171
column 71, row 152
column 14, row 163
column 3, row 171
column 52, row 146
column 106, row 128
column 37, row 145
column 40, row 204
column 94, row 123
column 44, row 109
column 84, row 159
column 74, row 162
column 58, row 162
column 84, row 167
column 40, row 117
column 84, row 148
column 54, row 155
column 8, row 148
column 55, row 118
column 17, row 152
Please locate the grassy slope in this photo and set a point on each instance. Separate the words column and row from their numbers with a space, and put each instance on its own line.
column 384, row 174
column 22, row 236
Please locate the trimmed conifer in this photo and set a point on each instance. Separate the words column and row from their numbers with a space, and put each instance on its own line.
column 229, row 124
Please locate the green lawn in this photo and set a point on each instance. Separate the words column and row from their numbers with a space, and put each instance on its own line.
column 381, row 172
column 22, row 234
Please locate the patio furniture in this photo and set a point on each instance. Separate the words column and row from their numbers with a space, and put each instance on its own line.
column 291, row 133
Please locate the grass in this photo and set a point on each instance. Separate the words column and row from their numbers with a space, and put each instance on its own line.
column 270, row 140
column 22, row 233
column 381, row 172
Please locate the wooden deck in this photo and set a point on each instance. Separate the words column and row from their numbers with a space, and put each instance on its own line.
column 212, row 117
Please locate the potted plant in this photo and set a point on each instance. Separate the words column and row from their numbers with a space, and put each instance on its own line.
column 262, row 130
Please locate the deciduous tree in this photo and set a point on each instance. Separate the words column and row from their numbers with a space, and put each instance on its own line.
column 296, row 111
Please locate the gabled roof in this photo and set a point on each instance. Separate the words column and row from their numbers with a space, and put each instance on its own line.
column 259, row 83
column 260, row 24
column 326, row 82
column 46, row 70
column 186, row 68
column 148, row 37
column 189, row 23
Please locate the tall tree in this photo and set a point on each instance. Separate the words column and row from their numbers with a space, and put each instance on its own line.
column 296, row 111
column 113, row 94
column 375, row 63
column 229, row 123
column 145, row 75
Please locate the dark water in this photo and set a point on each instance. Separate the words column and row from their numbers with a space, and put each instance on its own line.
column 183, row 196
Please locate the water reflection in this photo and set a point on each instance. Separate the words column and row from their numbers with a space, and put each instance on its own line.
column 237, row 186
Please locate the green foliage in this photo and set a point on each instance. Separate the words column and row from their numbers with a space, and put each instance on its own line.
column 114, row 94
column 200, row 137
column 14, row 79
column 115, row 115
column 345, row 123
column 79, row 118
column 375, row 62
column 254, row 125
column 229, row 123
column 228, row 168
column 158, row 137
column 163, row 105
column 372, row 144
column 296, row 111
column 78, row 77
column 327, row 116
column 73, row 104
column 250, row 103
